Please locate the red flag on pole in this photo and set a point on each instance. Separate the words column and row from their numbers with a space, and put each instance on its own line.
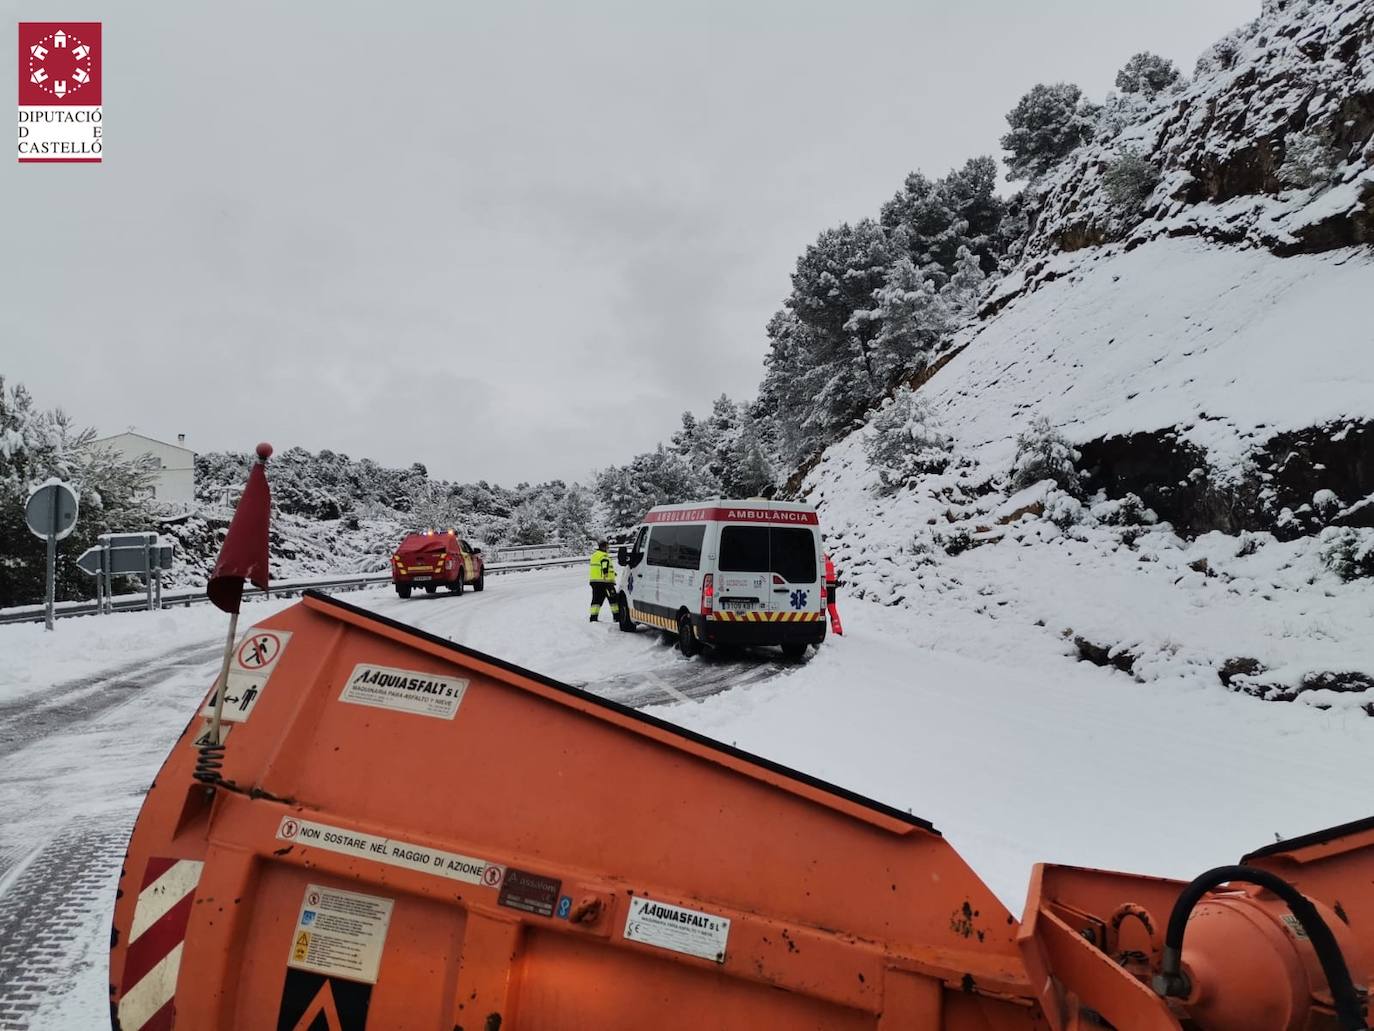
column 243, row 555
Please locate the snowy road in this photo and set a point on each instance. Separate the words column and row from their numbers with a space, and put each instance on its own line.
column 77, row 756
column 977, row 721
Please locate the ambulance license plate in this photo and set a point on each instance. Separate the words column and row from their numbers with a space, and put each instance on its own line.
column 738, row 603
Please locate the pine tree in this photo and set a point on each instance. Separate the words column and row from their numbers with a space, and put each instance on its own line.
column 909, row 317
column 1147, row 74
column 1046, row 125
column 961, row 294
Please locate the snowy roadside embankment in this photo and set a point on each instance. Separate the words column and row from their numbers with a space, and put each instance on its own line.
column 981, row 725
column 1214, row 346
column 1229, row 346
column 37, row 660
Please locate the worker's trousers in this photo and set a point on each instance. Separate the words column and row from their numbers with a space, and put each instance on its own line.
column 603, row 592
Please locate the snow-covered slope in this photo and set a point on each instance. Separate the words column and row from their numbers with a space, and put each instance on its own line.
column 1229, row 345
column 1211, row 361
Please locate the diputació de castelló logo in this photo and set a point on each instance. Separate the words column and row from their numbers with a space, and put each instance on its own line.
column 60, row 113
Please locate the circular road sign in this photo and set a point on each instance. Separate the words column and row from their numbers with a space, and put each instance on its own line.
column 51, row 510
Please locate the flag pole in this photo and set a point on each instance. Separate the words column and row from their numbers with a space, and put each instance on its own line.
column 223, row 687
column 243, row 556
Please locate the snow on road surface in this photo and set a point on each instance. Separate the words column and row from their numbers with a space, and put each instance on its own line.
column 983, row 726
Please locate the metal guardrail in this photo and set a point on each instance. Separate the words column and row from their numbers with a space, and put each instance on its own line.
column 284, row 589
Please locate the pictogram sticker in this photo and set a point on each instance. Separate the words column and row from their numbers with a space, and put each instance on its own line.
column 317, row 1002
column 254, row 661
column 341, row 933
column 260, row 650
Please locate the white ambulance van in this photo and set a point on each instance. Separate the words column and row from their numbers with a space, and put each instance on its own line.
column 727, row 573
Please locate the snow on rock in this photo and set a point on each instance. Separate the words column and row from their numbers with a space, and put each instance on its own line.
column 1223, row 350
column 1229, row 345
column 1268, row 145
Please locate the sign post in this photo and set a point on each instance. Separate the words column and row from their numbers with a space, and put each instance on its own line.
column 51, row 514
column 92, row 562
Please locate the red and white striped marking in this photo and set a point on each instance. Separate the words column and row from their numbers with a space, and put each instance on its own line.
column 153, row 957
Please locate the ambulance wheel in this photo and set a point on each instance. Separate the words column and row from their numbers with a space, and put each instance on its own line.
column 626, row 622
column 403, row 590
column 794, row 649
column 457, row 586
column 431, row 588
column 480, row 582
column 687, row 641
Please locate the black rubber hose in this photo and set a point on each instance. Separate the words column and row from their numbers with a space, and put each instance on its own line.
column 1349, row 1010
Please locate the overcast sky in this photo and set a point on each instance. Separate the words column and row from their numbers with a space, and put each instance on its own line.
column 512, row 241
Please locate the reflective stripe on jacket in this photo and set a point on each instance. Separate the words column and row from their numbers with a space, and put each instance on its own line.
column 603, row 568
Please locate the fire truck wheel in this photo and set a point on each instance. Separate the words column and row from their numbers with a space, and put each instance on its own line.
column 403, row 590
column 480, row 582
column 686, row 638
column 457, row 586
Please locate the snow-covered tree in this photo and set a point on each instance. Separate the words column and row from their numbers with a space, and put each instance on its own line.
column 1129, row 180
column 909, row 317
column 932, row 221
column 749, row 473
column 36, row 445
column 1347, row 551
column 904, row 441
column 965, row 287
column 1147, row 73
column 1309, row 159
column 1043, row 453
column 1046, row 125
column 528, row 526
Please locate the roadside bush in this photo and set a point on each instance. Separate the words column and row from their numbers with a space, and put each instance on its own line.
column 1348, row 552
column 1043, row 453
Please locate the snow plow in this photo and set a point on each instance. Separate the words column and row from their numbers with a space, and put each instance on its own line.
column 400, row 832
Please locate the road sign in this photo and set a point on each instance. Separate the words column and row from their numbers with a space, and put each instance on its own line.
column 130, row 561
column 128, row 540
column 51, row 510
column 92, row 561
column 50, row 514
column 130, row 554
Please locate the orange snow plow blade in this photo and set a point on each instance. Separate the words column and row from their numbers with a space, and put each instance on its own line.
column 405, row 833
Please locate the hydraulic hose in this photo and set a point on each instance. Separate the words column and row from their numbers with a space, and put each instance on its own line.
column 1170, row 981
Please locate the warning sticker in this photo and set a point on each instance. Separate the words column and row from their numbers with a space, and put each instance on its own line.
column 254, row 660
column 529, row 892
column 340, row 933
column 424, row 694
column 435, row 861
column 682, row 930
column 203, row 738
column 311, row 1000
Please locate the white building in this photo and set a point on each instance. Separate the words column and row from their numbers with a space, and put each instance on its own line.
column 176, row 464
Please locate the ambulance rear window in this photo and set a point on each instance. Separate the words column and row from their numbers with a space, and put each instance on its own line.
column 788, row 551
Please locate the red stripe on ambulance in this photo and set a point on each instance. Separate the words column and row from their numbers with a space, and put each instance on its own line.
column 785, row 516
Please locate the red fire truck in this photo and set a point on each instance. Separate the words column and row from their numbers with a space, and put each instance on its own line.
column 436, row 558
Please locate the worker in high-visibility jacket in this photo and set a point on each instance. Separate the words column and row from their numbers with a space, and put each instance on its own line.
column 602, row 577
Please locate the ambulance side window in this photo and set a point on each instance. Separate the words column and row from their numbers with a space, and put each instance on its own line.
column 637, row 552
column 676, row 547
